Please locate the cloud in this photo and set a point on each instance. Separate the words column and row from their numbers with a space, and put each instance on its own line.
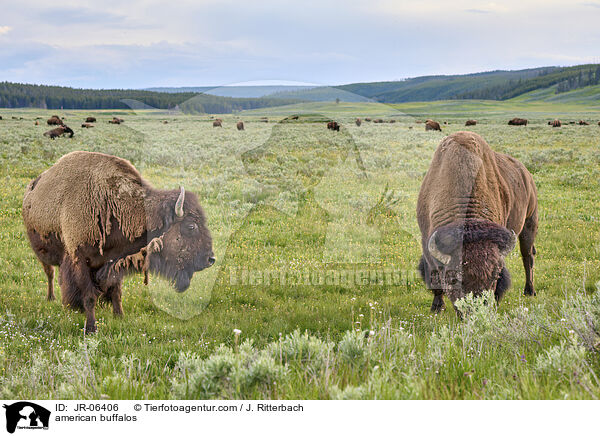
column 478, row 11
column 5, row 29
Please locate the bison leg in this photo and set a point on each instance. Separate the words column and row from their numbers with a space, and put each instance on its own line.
column 115, row 297
column 49, row 270
column 526, row 244
column 78, row 290
column 438, row 302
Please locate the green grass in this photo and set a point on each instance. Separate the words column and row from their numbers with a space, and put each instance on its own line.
column 168, row 345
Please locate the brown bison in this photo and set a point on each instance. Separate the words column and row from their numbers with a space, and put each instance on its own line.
column 518, row 122
column 90, row 120
column 432, row 125
column 471, row 123
column 264, row 120
column 87, row 125
column 217, row 123
column 392, row 121
column 473, row 204
column 115, row 120
column 59, row 131
column 332, row 125
column 95, row 217
column 55, row 120
column 599, row 123
column 37, row 123
column 358, row 122
column 378, row 120
column 240, row 125
column 555, row 123
column 368, row 120
column 583, row 123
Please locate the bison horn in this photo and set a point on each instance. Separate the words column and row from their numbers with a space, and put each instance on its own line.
column 179, row 203
column 435, row 252
column 511, row 244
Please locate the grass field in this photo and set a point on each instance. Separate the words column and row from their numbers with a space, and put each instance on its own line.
column 317, row 245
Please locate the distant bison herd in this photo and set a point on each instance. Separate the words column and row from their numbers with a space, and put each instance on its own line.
column 95, row 217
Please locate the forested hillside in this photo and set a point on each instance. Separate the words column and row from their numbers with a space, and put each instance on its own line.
column 16, row 95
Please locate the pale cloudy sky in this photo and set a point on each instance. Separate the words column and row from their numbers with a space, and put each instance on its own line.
column 137, row 44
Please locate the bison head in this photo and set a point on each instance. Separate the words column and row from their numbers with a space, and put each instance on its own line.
column 186, row 246
column 468, row 258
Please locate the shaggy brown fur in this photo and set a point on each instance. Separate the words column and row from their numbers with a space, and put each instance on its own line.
column 471, row 123
column 471, row 200
column 90, row 120
column 555, row 123
column 54, row 120
column 59, row 131
column 583, row 123
column 518, row 122
column 90, row 210
column 432, row 125
column 358, row 122
column 217, row 123
column 240, row 125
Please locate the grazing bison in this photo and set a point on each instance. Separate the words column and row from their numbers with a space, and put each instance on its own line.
column 599, row 123
column 583, row 123
column 432, row 125
column 392, row 121
column 87, row 125
column 358, row 122
column 332, row 125
column 59, row 131
column 240, row 125
column 55, row 120
column 217, row 123
column 555, row 123
column 114, row 121
column 473, row 204
column 37, row 123
column 0, row 117
column 471, row 123
column 368, row 120
column 378, row 120
column 517, row 122
column 90, row 120
column 93, row 215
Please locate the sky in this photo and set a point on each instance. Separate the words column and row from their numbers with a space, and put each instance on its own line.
column 139, row 44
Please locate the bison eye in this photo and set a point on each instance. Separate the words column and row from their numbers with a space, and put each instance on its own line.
column 192, row 226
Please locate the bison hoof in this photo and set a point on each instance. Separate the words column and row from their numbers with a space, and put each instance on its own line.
column 51, row 297
column 438, row 305
column 529, row 292
column 90, row 329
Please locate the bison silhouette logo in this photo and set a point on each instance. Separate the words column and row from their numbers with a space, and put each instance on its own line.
column 26, row 415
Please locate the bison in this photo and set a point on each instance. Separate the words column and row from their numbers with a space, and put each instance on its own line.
column 432, row 125
column 95, row 217
column 472, row 205
column 332, row 125
column 55, row 120
column 87, row 125
column 114, row 121
column 217, row 123
column 90, row 120
column 240, row 125
column 368, row 120
column 358, row 122
column 555, row 123
column 59, row 131
column 518, row 122
column 583, row 123
column 471, row 123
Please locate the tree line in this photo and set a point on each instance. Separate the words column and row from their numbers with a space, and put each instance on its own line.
column 19, row 95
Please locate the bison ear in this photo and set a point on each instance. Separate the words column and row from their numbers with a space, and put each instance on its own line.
column 179, row 203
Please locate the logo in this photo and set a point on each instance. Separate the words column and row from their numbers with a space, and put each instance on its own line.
column 26, row 415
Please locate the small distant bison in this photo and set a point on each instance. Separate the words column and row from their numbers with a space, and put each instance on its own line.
column 471, row 123
column 555, row 123
column 392, row 121
column 332, row 125
column 358, row 122
column 95, row 217
column 368, row 120
column 432, row 125
column 240, row 125
column 90, row 120
column 55, row 120
column 517, row 122
column 217, row 123
column 87, row 125
column 378, row 121
column 472, row 206
column 116, row 120
column 583, row 123
column 59, row 131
